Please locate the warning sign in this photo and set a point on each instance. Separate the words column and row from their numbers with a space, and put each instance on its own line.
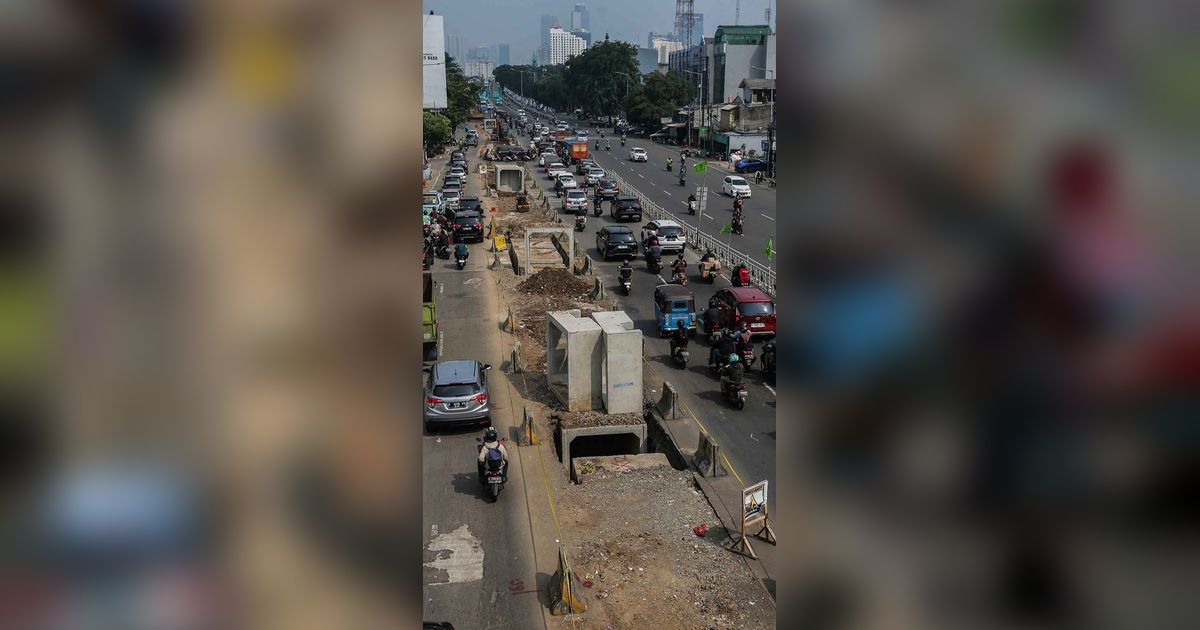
column 754, row 503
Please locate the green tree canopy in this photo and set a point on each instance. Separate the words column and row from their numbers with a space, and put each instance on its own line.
column 436, row 131
column 660, row 96
column 460, row 94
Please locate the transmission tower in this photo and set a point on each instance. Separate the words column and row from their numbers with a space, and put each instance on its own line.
column 685, row 20
column 768, row 13
column 737, row 12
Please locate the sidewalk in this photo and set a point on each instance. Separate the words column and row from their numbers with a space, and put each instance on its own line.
column 724, row 493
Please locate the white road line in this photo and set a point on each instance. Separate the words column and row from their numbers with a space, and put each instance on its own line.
column 660, row 279
column 709, row 215
column 668, row 194
column 770, row 390
column 766, row 217
column 642, row 176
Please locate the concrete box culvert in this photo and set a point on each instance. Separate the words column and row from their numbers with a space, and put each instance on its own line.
column 628, row 439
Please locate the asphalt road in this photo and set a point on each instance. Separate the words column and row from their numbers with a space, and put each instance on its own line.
column 480, row 569
column 662, row 187
column 746, row 436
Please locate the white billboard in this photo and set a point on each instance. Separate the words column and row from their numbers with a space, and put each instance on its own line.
column 433, row 64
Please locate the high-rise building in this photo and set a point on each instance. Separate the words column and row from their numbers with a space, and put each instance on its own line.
column 664, row 45
column 585, row 35
column 480, row 53
column 697, row 31
column 563, row 45
column 502, row 54
column 547, row 22
column 579, row 17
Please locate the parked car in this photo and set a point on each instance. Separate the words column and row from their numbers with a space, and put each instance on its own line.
column 671, row 235
column 575, row 200
column 607, row 189
column 734, row 185
column 468, row 226
column 456, row 392
column 638, row 154
column 626, row 208
column 750, row 165
column 616, row 241
column 747, row 304
column 594, row 176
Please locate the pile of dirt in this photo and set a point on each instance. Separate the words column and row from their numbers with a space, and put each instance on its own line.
column 642, row 566
column 555, row 283
column 577, row 419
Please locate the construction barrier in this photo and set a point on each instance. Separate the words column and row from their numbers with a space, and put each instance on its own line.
column 510, row 322
column 528, row 434
column 516, row 366
column 668, row 404
column 598, row 290
column 708, row 459
column 565, row 598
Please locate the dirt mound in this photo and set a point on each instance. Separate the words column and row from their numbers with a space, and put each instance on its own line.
column 577, row 419
column 555, row 283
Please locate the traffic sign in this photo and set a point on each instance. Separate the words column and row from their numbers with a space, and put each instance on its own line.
column 766, row 146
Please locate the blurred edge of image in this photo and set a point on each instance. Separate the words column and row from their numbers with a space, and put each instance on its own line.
column 206, row 325
column 993, row 326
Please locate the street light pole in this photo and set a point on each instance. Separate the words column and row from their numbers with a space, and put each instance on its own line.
column 770, row 129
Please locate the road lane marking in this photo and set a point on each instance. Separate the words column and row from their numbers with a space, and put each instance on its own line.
column 766, row 217
column 770, row 390
column 668, row 193
column 642, row 176
column 709, row 215
column 463, row 563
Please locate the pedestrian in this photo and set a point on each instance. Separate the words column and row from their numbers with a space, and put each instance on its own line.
column 758, row 177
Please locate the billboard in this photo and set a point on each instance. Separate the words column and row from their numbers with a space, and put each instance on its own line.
column 433, row 64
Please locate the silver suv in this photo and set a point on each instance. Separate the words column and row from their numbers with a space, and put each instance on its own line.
column 456, row 392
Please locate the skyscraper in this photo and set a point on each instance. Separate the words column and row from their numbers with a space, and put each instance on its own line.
column 547, row 22
column 502, row 54
column 698, row 31
column 563, row 45
column 579, row 17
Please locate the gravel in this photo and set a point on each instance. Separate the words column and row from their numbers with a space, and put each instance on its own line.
column 555, row 283
column 576, row 419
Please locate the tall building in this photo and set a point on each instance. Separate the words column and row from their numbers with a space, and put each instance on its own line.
column 547, row 22
column 502, row 53
column 647, row 59
column 585, row 35
column 480, row 53
column 479, row 68
column 664, row 45
column 579, row 17
column 563, row 45
column 697, row 31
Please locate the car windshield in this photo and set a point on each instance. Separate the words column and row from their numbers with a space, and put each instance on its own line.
column 750, row 309
column 431, row 198
column 737, row 181
column 577, row 194
column 565, row 178
column 596, row 172
column 453, row 390
column 624, row 237
column 669, row 230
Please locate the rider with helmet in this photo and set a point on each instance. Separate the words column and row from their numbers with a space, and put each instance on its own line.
column 491, row 443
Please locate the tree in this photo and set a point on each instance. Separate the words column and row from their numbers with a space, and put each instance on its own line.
column 660, row 96
column 599, row 78
column 436, row 131
column 460, row 94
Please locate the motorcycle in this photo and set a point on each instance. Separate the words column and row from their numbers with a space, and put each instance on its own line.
column 742, row 277
column 596, row 210
column 709, row 270
column 680, row 357
column 495, row 473
column 692, row 206
column 682, row 181
column 580, row 222
column 735, row 393
column 626, row 283
column 737, row 227
column 747, row 355
column 668, row 167
column 714, row 335
column 443, row 252
column 680, row 278
column 622, row 143
column 461, row 261
column 768, row 360
column 653, row 264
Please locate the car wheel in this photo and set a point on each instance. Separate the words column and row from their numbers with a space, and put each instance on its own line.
column 428, row 427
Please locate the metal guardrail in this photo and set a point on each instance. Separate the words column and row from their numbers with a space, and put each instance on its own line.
column 762, row 276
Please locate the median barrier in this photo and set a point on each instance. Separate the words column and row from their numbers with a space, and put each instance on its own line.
column 707, row 459
column 668, row 404
column 598, row 290
column 564, row 595
column 516, row 366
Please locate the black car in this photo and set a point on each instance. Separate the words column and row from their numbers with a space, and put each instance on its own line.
column 468, row 225
column 607, row 189
column 458, row 155
column 459, row 162
column 616, row 241
column 626, row 208
column 470, row 204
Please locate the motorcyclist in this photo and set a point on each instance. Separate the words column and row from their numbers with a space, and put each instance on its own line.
column 709, row 261
column 733, row 373
column 655, row 250
column 607, row 145
column 596, row 204
column 679, row 339
column 669, row 163
column 625, row 271
column 737, row 205
column 491, row 442
column 743, row 342
column 691, row 201
column 741, row 275
column 724, row 347
column 460, row 251
column 680, row 265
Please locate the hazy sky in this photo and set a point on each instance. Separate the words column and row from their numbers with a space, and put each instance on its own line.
column 517, row 22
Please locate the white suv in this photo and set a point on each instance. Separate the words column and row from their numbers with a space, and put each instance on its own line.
column 735, row 186
column 671, row 235
column 638, row 154
column 557, row 169
column 575, row 200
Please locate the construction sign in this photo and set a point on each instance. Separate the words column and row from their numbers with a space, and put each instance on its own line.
column 754, row 503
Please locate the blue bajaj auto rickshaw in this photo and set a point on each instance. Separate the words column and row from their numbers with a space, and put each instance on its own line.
column 672, row 304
